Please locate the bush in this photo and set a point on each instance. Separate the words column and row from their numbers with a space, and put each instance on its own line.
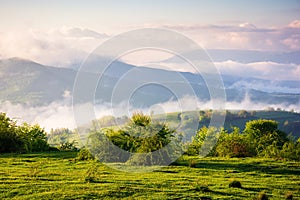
column 68, row 146
column 24, row 138
column 290, row 151
column 84, row 154
column 204, row 140
column 289, row 196
column 262, row 196
column 140, row 136
column 263, row 133
column 192, row 163
column 235, row 184
column 233, row 145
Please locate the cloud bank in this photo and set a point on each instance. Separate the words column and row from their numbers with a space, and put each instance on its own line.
column 60, row 114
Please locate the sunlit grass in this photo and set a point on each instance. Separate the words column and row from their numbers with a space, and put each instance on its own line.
column 57, row 176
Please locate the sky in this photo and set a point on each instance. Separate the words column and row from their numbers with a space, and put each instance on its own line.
column 110, row 15
column 63, row 33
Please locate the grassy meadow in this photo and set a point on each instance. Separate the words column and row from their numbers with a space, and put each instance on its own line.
column 57, row 175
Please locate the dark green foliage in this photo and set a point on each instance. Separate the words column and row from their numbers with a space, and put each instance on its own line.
column 260, row 138
column 290, row 151
column 262, row 196
column 84, row 154
column 233, row 145
column 140, row 136
column 9, row 139
column 23, row 138
column 262, row 133
column 205, row 135
column 235, row 184
column 33, row 137
column 68, row 146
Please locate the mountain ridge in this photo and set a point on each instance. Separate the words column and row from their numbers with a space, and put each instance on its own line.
column 24, row 81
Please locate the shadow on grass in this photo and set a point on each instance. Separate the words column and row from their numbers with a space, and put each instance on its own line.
column 60, row 155
column 243, row 167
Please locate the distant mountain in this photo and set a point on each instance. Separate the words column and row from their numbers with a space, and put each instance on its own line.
column 24, row 81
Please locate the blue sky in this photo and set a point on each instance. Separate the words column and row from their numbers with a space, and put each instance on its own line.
column 106, row 15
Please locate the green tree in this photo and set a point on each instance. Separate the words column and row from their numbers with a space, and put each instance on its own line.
column 34, row 137
column 205, row 141
column 233, row 145
column 9, row 139
column 140, row 136
column 263, row 133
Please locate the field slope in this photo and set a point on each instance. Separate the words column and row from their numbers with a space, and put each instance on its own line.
column 57, row 176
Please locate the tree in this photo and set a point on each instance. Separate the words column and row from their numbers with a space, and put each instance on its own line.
column 233, row 145
column 205, row 140
column 21, row 139
column 262, row 133
column 34, row 137
column 140, row 136
column 9, row 139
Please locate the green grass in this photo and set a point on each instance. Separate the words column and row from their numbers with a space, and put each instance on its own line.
column 57, row 176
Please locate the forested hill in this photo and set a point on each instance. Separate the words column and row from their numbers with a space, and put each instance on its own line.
column 288, row 121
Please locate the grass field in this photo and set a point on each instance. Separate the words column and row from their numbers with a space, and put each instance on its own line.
column 57, row 176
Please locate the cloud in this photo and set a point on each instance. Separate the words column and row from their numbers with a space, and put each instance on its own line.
column 61, row 47
column 293, row 42
column 264, row 70
column 68, row 46
column 294, row 24
column 60, row 114
column 243, row 36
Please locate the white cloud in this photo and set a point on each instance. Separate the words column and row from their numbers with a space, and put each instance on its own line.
column 264, row 70
column 293, row 42
column 243, row 36
column 294, row 24
column 61, row 115
column 57, row 47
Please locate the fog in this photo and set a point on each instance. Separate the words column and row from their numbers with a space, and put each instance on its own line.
column 60, row 114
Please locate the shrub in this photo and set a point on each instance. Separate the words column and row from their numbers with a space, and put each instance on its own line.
column 263, row 133
column 233, row 145
column 291, row 151
column 204, row 140
column 235, row 184
column 289, row 196
column 262, row 196
column 192, row 163
column 84, row 154
column 140, row 119
column 140, row 136
column 68, row 146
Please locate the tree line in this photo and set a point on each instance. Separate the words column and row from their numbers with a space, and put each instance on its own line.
column 260, row 138
column 136, row 140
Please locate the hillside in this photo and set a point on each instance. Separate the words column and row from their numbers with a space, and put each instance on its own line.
column 58, row 176
column 289, row 122
column 24, row 81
